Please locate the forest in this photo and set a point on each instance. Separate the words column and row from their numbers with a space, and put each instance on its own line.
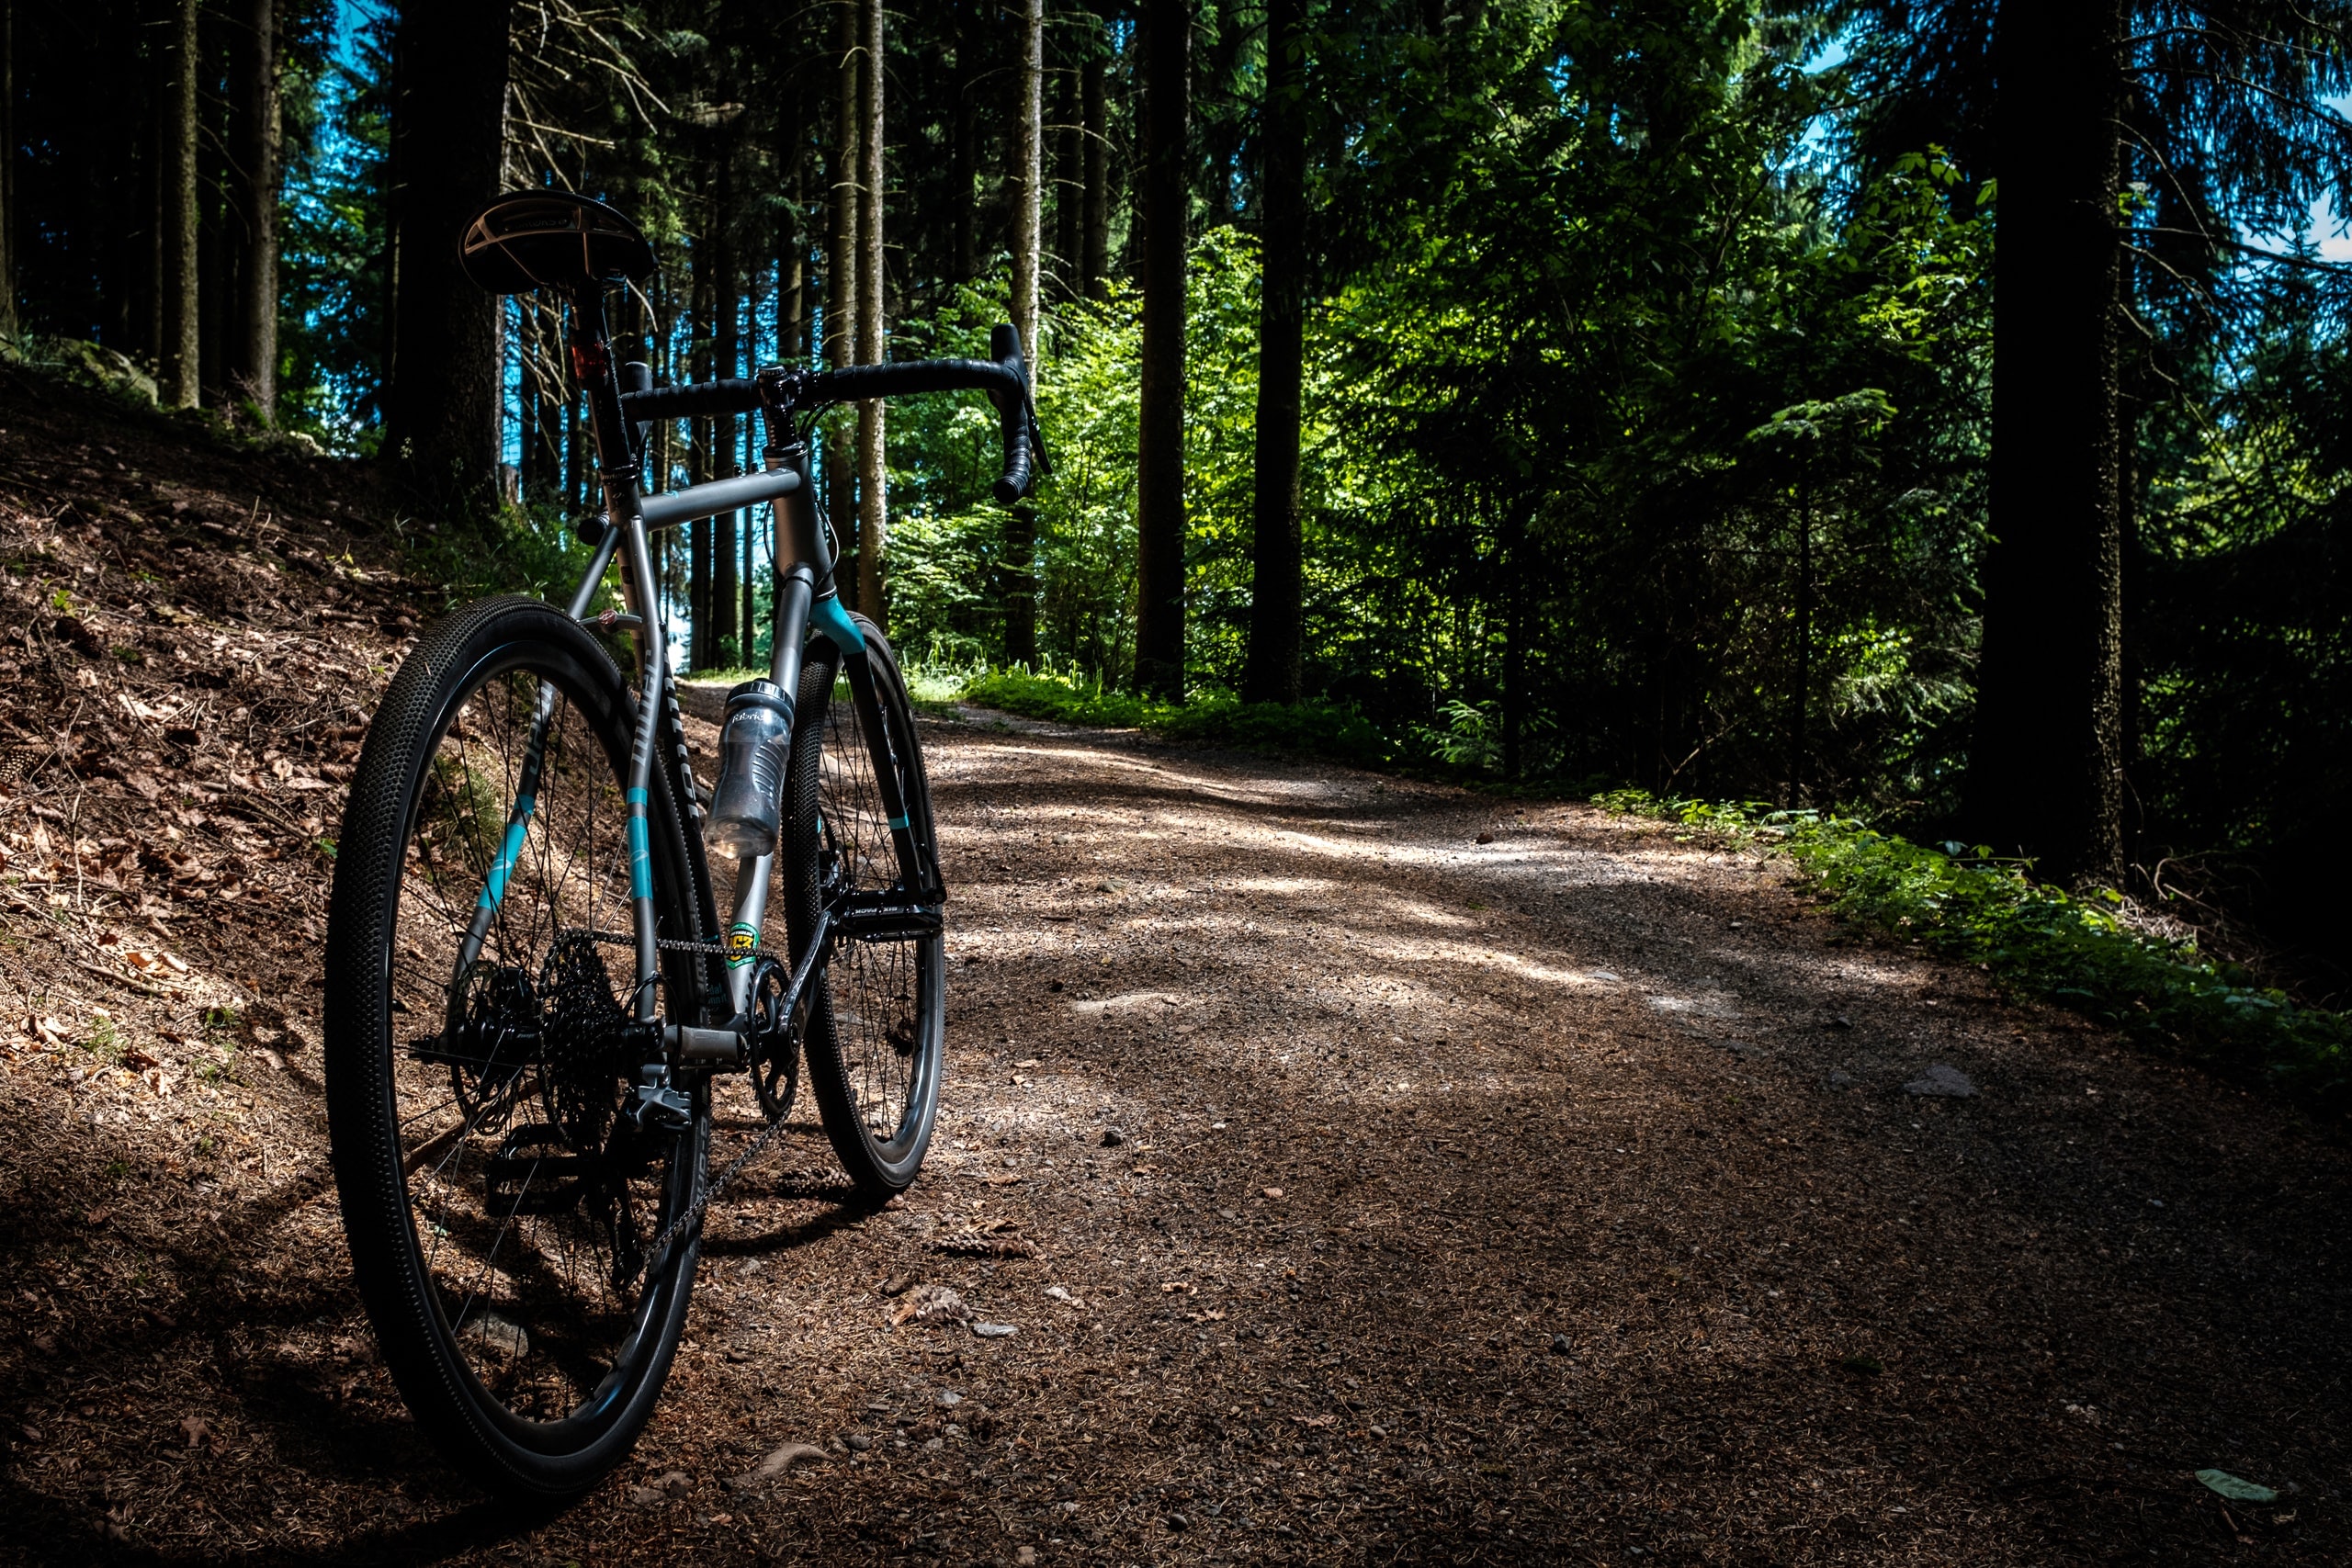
column 1932, row 409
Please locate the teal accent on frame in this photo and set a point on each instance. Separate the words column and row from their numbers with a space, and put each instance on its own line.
column 742, row 944
column 641, row 851
column 900, row 822
column 493, row 893
column 828, row 616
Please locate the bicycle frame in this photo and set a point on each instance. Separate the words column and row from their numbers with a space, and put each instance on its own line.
column 804, row 598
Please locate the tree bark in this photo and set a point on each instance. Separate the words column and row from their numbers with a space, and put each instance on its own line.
column 441, row 398
column 963, row 167
column 1160, row 477
column 2045, row 774
column 254, row 367
column 841, row 283
column 181, row 356
column 1018, row 588
column 1068, row 183
column 8, row 325
column 872, row 479
column 1028, row 172
column 1273, row 672
column 703, row 310
column 1094, row 242
column 727, row 349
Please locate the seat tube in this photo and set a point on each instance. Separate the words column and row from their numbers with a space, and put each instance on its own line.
column 616, row 464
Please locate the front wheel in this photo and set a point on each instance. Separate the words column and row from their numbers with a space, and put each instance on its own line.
column 500, row 1204
column 878, row 1023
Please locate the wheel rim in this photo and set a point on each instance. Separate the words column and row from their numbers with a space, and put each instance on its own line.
column 529, row 1202
column 882, row 998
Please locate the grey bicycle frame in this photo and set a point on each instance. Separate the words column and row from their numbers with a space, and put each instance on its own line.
column 804, row 597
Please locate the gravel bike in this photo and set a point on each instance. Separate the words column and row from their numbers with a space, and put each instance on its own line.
column 529, row 995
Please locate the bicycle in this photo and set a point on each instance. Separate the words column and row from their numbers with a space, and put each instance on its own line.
column 521, row 1143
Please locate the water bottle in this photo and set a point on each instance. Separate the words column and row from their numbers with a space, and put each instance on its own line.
column 754, row 746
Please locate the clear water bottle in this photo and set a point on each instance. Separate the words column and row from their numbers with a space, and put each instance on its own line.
column 754, row 747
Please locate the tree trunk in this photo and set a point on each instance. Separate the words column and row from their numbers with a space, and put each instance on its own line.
column 1018, row 588
column 727, row 346
column 254, row 366
column 1094, row 218
column 1028, row 172
column 575, row 457
column 1068, row 184
column 703, row 308
column 840, row 281
column 1273, row 673
column 181, row 358
column 791, row 246
column 1514, row 597
column 442, row 400
column 1160, row 477
column 962, row 198
column 872, row 499
column 7, row 169
column 2045, row 777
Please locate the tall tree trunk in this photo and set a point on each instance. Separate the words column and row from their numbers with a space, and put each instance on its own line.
column 7, row 169
column 543, row 389
column 2045, row 774
column 840, row 281
column 1514, row 597
column 254, row 351
column 972, row 17
column 1028, row 171
column 727, row 345
column 703, row 305
column 441, row 402
column 1094, row 217
column 1068, row 183
column 575, row 456
column 1019, row 590
column 1273, row 673
column 872, row 481
column 254, row 367
column 791, row 241
column 1160, row 467
column 181, row 355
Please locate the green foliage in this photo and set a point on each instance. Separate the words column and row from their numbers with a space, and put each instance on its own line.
column 2077, row 952
column 1208, row 718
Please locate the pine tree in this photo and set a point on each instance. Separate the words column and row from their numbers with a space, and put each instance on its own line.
column 1159, row 478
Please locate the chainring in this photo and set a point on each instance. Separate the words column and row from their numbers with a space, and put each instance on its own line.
column 774, row 1042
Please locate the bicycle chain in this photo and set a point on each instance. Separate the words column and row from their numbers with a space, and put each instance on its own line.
column 693, row 1212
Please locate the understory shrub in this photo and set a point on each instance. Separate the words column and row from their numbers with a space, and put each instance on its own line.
column 2043, row 941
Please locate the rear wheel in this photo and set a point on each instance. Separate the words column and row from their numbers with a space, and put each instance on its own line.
column 878, row 1023
column 499, row 1202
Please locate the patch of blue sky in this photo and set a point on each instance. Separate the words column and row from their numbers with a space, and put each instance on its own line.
column 2326, row 230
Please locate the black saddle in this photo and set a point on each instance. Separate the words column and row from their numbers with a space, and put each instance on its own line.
column 552, row 239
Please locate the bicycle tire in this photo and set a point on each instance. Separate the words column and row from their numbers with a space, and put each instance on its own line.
column 516, row 1341
column 875, row 1044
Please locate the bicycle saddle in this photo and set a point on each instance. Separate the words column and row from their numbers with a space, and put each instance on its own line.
column 541, row 239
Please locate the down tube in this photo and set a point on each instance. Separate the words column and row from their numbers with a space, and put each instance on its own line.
column 743, row 929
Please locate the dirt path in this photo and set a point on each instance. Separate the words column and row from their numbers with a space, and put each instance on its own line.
column 1357, row 1193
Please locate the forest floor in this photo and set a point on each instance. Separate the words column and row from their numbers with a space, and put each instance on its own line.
column 1388, row 1174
